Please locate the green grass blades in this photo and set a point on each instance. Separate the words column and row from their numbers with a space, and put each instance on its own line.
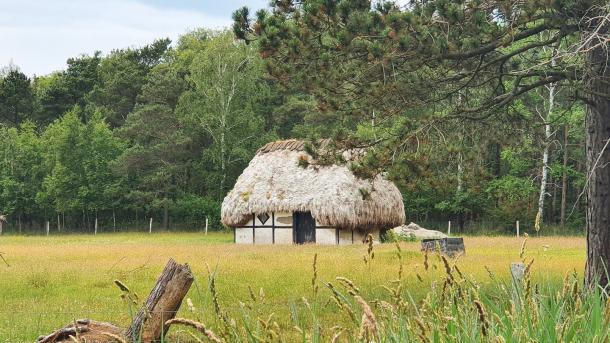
column 246, row 293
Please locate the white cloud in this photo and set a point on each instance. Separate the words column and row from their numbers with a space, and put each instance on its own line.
column 39, row 36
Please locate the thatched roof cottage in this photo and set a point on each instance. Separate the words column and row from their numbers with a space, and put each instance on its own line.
column 278, row 200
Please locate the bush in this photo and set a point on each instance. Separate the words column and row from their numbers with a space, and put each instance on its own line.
column 391, row 236
column 193, row 210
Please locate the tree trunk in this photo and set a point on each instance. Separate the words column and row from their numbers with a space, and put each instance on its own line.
column 162, row 304
column 0, row 226
column 551, row 215
column 564, row 177
column 598, row 166
column 223, row 172
column 166, row 217
column 545, row 153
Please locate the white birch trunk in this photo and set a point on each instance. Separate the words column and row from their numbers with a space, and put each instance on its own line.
column 545, row 153
column 95, row 229
column 150, row 226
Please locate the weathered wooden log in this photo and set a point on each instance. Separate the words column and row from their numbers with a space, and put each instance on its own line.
column 162, row 304
column 85, row 329
column 149, row 324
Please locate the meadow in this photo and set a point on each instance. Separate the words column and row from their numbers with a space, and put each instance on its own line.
column 46, row 282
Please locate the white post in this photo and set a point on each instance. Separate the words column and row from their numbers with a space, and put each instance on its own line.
column 206, row 225
column 58, row 224
column 517, row 271
column 47, row 227
column 517, row 229
column 449, row 229
column 95, row 230
column 150, row 226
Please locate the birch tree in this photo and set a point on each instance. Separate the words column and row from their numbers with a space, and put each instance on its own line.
column 227, row 85
column 546, row 120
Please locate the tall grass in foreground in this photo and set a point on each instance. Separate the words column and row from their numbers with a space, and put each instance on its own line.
column 455, row 309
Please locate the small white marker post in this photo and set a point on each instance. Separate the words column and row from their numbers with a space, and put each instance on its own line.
column 206, row 226
column 449, row 229
column 517, row 271
column 517, row 229
column 150, row 226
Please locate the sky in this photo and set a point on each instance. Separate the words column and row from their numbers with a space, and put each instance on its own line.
column 39, row 36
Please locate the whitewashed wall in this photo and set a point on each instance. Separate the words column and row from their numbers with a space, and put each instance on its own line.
column 264, row 233
column 243, row 235
column 327, row 236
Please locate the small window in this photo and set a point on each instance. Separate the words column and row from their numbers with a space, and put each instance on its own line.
column 263, row 217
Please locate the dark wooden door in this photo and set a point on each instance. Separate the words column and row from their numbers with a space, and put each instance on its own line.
column 304, row 227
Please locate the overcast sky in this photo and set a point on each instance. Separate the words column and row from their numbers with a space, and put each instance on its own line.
column 39, row 35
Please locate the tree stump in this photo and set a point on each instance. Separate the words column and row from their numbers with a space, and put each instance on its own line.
column 161, row 305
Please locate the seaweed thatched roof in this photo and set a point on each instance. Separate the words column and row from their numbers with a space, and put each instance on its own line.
column 275, row 182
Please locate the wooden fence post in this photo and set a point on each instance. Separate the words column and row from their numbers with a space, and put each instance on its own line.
column 162, row 304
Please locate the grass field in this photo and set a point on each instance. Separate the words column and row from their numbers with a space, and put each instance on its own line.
column 49, row 281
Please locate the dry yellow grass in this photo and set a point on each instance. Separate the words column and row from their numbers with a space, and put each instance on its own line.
column 52, row 280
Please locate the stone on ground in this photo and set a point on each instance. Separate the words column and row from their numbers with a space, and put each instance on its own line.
column 414, row 230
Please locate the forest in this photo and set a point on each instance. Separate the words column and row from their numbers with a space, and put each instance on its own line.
column 163, row 131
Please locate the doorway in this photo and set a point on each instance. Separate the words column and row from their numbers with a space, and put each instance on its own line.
column 304, row 226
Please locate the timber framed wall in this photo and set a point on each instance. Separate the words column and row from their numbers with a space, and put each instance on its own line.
column 276, row 228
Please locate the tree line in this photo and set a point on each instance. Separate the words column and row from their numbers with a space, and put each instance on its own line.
column 159, row 131
column 164, row 130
